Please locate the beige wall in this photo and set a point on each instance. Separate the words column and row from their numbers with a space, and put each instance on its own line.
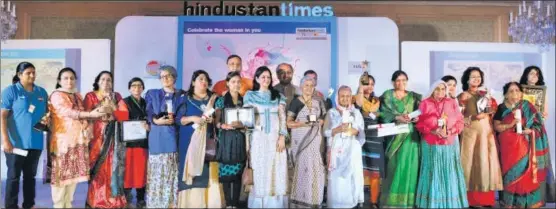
column 417, row 21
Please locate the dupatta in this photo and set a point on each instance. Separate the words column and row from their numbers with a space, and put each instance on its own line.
column 389, row 110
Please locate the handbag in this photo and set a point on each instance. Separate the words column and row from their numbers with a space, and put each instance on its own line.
column 210, row 150
column 247, row 176
column 211, row 146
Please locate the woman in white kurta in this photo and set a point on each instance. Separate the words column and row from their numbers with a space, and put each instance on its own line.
column 267, row 143
column 345, row 165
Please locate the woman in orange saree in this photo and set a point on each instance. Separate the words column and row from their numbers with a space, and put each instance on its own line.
column 524, row 155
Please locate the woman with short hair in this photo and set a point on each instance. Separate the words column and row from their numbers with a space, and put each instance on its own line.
column 162, row 168
column 306, row 115
column 135, row 174
column 479, row 153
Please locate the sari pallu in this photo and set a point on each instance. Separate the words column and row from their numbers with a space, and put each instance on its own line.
column 525, row 159
column 210, row 197
column 198, row 180
column 402, row 153
column 107, row 158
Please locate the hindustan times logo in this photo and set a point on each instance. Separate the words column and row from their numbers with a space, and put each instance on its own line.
column 285, row 9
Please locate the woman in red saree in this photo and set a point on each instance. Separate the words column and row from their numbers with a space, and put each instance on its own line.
column 106, row 153
column 524, row 156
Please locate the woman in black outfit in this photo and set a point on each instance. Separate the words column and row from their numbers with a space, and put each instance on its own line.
column 135, row 173
column 231, row 151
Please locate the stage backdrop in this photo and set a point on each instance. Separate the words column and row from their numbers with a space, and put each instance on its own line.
column 371, row 39
column 191, row 43
column 425, row 62
column 86, row 57
column 305, row 43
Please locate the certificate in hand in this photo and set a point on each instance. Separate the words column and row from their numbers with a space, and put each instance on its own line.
column 245, row 115
column 134, row 130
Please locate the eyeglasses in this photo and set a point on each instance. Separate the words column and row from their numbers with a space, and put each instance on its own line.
column 166, row 77
column 137, row 85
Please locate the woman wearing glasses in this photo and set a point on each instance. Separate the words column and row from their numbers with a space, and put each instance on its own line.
column 135, row 174
column 162, row 169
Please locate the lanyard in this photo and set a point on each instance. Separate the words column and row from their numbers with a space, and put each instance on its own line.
column 441, row 110
column 138, row 106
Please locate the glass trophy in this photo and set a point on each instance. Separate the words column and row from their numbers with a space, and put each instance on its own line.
column 170, row 108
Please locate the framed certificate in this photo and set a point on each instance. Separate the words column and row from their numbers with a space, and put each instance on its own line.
column 536, row 95
column 134, row 130
column 245, row 115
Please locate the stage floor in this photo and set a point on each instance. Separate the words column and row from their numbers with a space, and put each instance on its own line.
column 44, row 200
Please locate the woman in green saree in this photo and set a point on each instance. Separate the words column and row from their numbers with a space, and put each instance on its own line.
column 402, row 150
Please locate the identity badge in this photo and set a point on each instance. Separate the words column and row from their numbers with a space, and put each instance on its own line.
column 31, row 108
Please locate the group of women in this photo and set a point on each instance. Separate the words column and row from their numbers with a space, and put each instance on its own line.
column 458, row 153
column 448, row 157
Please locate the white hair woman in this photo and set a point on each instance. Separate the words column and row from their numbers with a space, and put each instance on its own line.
column 344, row 128
column 441, row 183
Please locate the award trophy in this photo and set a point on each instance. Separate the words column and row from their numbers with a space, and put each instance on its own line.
column 347, row 118
column 442, row 124
column 483, row 104
column 311, row 118
column 330, row 92
column 488, row 108
column 170, row 109
column 41, row 126
column 364, row 78
column 518, row 127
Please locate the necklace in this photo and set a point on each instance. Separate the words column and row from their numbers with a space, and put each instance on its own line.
column 398, row 96
column 200, row 98
column 202, row 107
column 308, row 103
